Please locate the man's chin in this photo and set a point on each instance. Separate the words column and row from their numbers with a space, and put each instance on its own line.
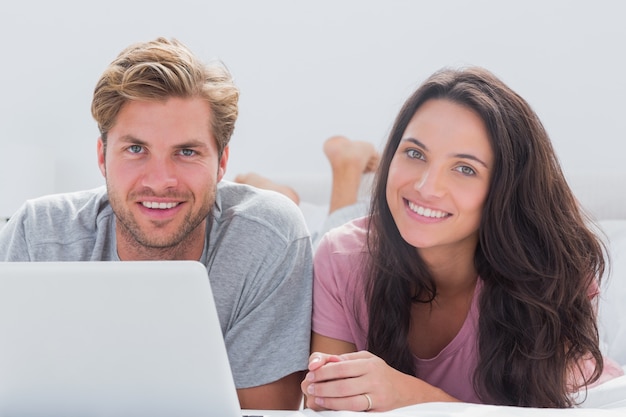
column 151, row 238
column 158, row 243
column 159, row 237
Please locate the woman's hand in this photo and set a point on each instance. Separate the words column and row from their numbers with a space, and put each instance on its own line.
column 361, row 381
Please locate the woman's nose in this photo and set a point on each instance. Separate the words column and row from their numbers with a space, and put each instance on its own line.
column 431, row 183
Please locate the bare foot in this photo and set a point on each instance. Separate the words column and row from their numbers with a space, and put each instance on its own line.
column 349, row 160
column 346, row 154
column 264, row 183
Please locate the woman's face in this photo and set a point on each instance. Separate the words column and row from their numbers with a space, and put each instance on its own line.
column 439, row 177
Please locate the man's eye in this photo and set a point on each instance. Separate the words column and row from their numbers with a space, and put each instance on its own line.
column 135, row 148
column 187, row 152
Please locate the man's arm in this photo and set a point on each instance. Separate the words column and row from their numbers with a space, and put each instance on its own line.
column 284, row 394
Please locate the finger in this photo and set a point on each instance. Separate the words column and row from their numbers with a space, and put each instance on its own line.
column 310, row 402
column 358, row 402
column 339, row 370
column 336, row 388
column 318, row 359
column 362, row 354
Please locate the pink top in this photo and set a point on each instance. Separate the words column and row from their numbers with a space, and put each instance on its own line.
column 340, row 312
column 338, row 286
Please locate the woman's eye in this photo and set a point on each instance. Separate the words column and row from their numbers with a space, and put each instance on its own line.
column 413, row 153
column 466, row 170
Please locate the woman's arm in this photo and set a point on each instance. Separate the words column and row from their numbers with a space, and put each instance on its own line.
column 331, row 348
column 342, row 379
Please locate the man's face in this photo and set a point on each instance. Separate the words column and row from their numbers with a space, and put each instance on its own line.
column 161, row 168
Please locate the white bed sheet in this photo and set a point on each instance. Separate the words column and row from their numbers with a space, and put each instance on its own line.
column 471, row 410
column 609, row 395
column 605, row 400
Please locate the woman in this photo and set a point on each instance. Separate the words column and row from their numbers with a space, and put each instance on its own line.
column 474, row 276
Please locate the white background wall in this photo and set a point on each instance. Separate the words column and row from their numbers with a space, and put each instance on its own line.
column 307, row 70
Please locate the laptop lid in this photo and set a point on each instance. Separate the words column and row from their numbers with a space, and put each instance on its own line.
column 111, row 339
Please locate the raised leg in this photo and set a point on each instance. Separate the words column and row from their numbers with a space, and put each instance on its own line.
column 260, row 181
column 349, row 160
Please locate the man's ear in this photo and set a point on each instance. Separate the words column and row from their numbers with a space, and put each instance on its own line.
column 101, row 157
column 222, row 163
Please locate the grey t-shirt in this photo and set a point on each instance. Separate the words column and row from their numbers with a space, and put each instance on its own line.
column 258, row 256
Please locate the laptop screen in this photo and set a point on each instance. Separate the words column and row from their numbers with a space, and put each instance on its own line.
column 111, row 339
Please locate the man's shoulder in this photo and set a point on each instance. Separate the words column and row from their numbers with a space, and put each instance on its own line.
column 71, row 205
column 79, row 210
column 266, row 208
column 246, row 197
column 70, row 226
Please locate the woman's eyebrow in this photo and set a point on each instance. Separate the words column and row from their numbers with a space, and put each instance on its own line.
column 471, row 157
column 416, row 142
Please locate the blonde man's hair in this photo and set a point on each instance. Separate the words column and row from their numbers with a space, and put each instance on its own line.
column 160, row 69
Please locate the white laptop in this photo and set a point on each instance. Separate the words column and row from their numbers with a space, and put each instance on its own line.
column 111, row 339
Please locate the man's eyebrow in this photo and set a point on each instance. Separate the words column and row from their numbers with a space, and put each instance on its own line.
column 458, row 155
column 132, row 139
column 193, row 143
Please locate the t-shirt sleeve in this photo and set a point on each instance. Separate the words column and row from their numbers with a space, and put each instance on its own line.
column 332, row 307
column 261, row 271
column 75, row 226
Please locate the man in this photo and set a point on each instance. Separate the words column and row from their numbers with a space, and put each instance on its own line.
column 165, row 121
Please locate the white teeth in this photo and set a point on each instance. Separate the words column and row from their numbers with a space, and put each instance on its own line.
column 160, row 206
column 426, row 212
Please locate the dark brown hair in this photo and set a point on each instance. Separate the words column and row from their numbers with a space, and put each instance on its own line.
column 536, row 255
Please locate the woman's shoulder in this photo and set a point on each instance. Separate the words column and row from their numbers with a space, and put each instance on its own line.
column 350, row 237
column 340, row 258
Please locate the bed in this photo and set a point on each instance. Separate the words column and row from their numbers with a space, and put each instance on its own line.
column 598, row 195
